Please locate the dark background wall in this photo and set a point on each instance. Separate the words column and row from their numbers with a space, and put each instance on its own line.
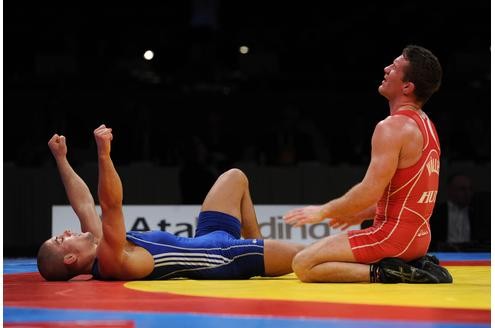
column 305, row 95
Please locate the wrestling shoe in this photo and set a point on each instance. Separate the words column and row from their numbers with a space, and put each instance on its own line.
column 431, row 264
column 420, row 263
column 393, row 270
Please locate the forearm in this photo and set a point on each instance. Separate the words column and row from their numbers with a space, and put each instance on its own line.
column 358, row 200
column 109, row 185
column 79, row 196
column 76, row 189
column 110, row 196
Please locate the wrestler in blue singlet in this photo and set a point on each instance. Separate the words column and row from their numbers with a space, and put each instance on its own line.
column 215, row 252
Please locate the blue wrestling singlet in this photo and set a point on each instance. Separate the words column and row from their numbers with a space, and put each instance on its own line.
column 215, row 252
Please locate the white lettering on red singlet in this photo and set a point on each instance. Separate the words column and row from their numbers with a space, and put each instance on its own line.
column 428, row 197
column 433, row 166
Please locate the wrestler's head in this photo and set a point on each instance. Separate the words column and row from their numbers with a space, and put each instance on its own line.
column 67, row 255
column 424, row 70
column 416, row 74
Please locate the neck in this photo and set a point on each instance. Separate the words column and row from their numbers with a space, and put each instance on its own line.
column 88, row 268
column 403, row 105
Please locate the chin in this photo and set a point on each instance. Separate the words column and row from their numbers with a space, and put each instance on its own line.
column 380, row 88
column 90, row 236
column 382, row 92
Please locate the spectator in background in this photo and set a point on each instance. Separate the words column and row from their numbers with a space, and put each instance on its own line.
column 458, row 224
column 477, row 129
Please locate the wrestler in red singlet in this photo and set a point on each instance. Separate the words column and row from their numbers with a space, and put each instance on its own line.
column 401, row 228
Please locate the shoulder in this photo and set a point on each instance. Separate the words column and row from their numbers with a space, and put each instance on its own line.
column 388, row 128
column 395, row 121
column 396, row 126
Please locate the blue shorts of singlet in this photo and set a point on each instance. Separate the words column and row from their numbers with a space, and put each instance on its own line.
column 215, row 252
column 210, row 221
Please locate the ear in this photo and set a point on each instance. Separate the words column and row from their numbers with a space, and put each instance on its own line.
column 408, row 88
column 70, row 258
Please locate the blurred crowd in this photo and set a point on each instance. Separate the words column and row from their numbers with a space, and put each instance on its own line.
column 246, row 130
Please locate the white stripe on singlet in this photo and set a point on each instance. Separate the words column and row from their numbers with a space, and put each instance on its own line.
column 400, row 213
column 210, row 267
column 425, row 222
column 433, row 134
column 189, row 259
column 165, row 256
column 190, row 262
column 426, row 132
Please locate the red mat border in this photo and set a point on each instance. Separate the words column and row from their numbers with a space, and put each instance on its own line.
column 29, row 290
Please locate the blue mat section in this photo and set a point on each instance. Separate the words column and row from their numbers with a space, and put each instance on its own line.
column 463, row 256
column 20, row 265
column 180, row 320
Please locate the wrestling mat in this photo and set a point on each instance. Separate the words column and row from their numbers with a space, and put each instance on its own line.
column 29, row 301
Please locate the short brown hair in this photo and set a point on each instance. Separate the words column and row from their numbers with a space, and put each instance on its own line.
column 424, row 70
column 51, row 263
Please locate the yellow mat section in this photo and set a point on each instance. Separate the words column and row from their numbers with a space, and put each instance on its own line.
column 470, row 290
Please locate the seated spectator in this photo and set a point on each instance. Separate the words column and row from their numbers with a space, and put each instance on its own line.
column 462, row 222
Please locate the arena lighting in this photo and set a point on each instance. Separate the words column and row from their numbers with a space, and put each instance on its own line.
column 243, row 50
column 148, row 55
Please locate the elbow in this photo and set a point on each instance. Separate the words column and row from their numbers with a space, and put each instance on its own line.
column 109, row 200
column 109, row 205
column 374, row 199
column 371, row 194
column 370, row 201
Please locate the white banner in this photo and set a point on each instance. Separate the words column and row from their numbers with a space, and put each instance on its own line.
column 181, row 221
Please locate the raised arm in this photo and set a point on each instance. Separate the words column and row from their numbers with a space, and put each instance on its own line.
column 110, row 196
column 115, row 259
column 77, row 191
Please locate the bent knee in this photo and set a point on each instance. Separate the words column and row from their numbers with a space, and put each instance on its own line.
column 301, row 265
column 237, row 175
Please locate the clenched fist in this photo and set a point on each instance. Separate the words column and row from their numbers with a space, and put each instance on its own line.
column 103, row 137
column 58, row 146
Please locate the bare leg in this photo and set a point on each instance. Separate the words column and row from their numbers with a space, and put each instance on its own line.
column 278, row 257
column 250, row 226
column 330, row 260
column 230, row 195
